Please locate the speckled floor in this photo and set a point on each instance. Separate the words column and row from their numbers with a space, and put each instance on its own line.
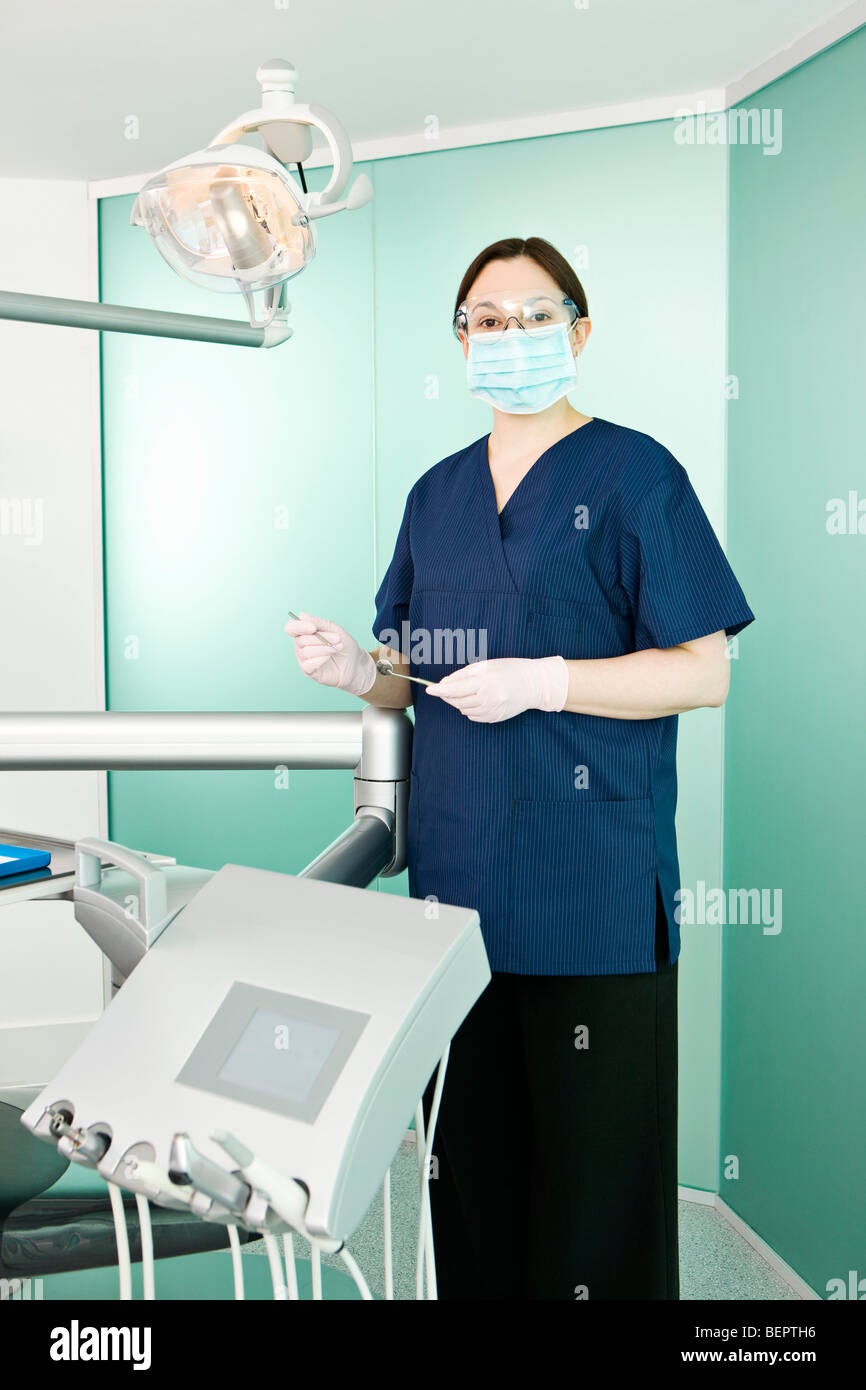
column 715, row 1261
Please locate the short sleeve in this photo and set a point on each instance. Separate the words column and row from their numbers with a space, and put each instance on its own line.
column 395, row 591
column 673, row 569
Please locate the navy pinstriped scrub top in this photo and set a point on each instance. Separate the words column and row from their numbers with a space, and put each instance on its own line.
column 555, row 827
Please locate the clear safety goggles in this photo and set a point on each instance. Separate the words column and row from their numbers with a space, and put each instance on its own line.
column 528, row 309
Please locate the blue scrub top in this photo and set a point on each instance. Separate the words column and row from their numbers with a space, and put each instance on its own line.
column 555, row 827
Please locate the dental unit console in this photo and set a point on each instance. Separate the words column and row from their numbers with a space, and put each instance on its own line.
column 261, row 1062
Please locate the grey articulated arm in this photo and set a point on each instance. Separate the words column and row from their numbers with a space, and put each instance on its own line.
column 376, row 743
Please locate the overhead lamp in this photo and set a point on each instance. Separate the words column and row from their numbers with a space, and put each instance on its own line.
column 231, row 217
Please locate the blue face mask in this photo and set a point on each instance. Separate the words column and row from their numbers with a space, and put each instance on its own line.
column 521, row 371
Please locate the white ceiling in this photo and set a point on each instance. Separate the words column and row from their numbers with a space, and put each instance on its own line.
column 70, row 73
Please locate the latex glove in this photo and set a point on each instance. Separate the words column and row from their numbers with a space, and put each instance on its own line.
column 344, row 665
column 489, row 691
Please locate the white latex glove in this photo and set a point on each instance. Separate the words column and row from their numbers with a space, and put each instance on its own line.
column 488, row 691
column 344, row 665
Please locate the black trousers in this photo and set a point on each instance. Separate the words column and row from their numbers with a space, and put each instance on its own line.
column 554, row 1170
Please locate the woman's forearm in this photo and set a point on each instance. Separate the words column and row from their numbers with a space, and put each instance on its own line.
column 653, row 683
column 389, row 692
column 639, row 685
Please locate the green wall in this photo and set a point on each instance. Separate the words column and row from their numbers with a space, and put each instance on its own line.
column 202, row 444
column 233, row 491
column 794, row 1038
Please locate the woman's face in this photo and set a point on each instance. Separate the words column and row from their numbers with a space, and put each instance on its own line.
column 523, row 277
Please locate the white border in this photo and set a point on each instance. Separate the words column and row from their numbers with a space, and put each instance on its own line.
column 97, row 532
column 488, row 133
column 767, row 1253
column 784, row 1271
column 800, row 50
column 698, row 1195
column 783, row 60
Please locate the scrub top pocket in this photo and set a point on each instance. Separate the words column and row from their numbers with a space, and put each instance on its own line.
column 571, row 864
column 552, row 633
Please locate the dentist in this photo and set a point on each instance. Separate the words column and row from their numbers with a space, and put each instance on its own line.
column 561, row 584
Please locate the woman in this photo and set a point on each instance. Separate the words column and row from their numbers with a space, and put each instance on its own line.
column 560, row 584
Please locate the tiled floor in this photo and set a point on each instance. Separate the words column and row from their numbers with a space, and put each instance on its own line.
column 715, row 1261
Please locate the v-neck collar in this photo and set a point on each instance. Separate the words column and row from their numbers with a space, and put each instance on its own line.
column 487, row 498
column 532, row 467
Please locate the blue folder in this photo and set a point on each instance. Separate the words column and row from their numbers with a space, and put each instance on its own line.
column 16, row 859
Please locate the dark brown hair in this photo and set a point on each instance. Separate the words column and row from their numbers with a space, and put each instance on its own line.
column 538, row 250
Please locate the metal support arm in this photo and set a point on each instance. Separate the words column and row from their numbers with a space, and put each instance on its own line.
column 121, row 318
column 376, row 743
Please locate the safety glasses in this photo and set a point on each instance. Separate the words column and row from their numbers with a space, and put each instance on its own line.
column 528, row 309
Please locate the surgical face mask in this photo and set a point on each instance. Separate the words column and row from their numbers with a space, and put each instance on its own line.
column 521, row 370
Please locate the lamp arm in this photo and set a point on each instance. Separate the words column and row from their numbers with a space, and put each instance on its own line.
column 230, row 134
column 323, row 120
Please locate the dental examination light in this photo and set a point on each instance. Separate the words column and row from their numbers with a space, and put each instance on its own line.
column 230, row 218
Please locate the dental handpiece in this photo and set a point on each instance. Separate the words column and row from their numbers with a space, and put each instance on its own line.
column 88, row 1144
column 384, row 667
column 285, row 1196
column 189, row 1168
column 143, row 1175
